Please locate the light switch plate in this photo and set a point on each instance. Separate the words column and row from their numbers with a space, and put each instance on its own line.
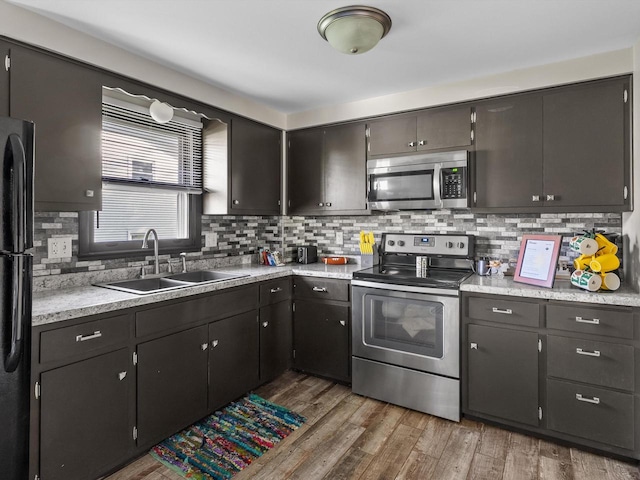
column 59, row 247
column 339, row 238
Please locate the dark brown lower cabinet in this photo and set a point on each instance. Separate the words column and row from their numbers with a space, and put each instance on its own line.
column 321, row 339
column 503, row 373
column 234, row 358
column 275, row 340
column 85, row 423
column 172, row 383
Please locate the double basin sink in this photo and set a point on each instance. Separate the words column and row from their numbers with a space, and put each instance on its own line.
column 143, row 286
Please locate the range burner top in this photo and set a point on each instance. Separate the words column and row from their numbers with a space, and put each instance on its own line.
column 439, row 278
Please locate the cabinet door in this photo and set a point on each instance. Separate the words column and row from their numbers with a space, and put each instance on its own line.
column 585, row 157
column 306, row 176
column 444, row 128
column 4, row 80
column 392, row 135
column 255, row 168
column 172, row 383
column 345, row 162
column 233, row 359
column 275, row 340
column 503, row 373
column 321, row 339
column 509, row 152
column 86, row 427
column 64, row 100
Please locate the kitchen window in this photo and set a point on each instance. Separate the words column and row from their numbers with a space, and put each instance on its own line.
column 151, row 178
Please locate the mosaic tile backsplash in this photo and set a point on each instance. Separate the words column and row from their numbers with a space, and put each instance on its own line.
column 238, row 238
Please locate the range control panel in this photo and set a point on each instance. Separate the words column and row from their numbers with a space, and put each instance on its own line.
column 428, row 244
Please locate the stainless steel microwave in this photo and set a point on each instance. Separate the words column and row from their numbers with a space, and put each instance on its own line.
column 419, row 182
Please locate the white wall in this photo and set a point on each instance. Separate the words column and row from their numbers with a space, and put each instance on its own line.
column 21, row 24
column 631, row 221
column 584, row 68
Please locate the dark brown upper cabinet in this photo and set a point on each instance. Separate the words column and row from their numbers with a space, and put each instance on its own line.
column 565, row 149
column 255, row 168
column 508, row 166
column 433, row 129
column 64, row 100
column 327, row 170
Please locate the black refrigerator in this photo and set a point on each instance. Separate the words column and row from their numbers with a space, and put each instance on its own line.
column 16, row 267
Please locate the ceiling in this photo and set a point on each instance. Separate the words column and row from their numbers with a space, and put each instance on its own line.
column 270, row 50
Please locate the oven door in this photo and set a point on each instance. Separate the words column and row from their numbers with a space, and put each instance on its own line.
column 404, row 187
column 413, row 327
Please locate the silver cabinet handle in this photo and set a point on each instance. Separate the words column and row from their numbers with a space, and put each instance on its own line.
column 320, row 289
column 276, row 290
column 474, row 346
column 411, row 144
column 343, row 323
column 422, row 142
column 236, row 202
column 535, row 198
column 592, row 321
column 321, row 204
column 204, row 346
column 214, row 343
column 327, row 204
column 93, row 336
column 506, row 311
column 265, row 324
column 594, row 400
column 122, row 375
column 551, row 198
column 595, row 353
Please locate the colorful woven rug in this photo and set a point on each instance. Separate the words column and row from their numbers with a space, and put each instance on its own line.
column 227, row 441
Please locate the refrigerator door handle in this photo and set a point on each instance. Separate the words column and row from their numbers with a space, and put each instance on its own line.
column 19, row 192
column 20, row 297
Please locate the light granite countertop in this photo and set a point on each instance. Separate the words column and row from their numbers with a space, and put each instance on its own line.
column 562, row 290
column 51, row 306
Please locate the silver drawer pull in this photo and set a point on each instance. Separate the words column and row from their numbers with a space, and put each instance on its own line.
column 595, row 353
column 506, row 311
column 474, row 346
column 93, row 336
column 122, row 375
column 594, row 400
column 276, row 290
column 265, row 324
column 593, row 321
column 214, row 343
column 343, row 323
column 204, row 346
column 320, row 289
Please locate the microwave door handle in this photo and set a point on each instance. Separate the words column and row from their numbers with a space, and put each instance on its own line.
column 437, row 184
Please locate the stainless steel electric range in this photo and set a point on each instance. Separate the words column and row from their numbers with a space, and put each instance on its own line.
column 406, row 322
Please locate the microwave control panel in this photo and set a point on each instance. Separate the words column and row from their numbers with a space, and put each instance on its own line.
column 454, row 182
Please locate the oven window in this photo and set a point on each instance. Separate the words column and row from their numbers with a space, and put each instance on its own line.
column 405, row 325
column 402, row 186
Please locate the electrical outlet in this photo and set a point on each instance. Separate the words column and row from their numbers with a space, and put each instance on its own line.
column 562, row 270
column 339, row 238
column 211, row 239
column 59, row 247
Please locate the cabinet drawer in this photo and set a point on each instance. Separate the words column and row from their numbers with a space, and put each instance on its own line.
column 612, row 322
column 275, row 291
column 83, row 338
column 321, row 288
column 599, row 363
column 514, row 312
column 593, row 413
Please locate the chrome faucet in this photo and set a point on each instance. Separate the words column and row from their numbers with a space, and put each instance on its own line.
column 145, row 241
column 183, row 256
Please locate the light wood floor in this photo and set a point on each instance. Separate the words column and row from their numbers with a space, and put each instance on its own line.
column 351, row 437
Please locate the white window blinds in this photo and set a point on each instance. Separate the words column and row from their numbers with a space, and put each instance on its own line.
column 137, row 150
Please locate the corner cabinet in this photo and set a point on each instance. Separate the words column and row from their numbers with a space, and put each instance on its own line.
column 433, row 129
column 255, row 168
column 560, row 369
column 327, row 170
column 534, row 150
column 64, row 100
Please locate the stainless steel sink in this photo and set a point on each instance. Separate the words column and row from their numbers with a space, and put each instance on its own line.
column 205, row 276
column 142, row 286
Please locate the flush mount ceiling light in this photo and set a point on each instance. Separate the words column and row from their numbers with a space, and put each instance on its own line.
column 354, row 30
column 161, row 112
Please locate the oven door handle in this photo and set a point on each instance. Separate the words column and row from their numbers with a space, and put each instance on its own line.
column 449, row 292
column 437, row 184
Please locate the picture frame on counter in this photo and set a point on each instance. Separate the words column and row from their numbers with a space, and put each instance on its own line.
column 538, row 260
